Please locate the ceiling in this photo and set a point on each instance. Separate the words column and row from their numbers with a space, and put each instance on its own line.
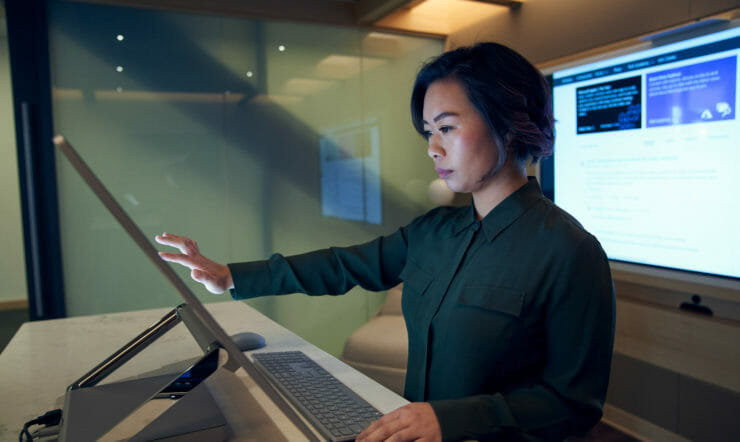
column 426, row 17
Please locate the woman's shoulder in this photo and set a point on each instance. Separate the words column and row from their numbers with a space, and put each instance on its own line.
column 559, row 223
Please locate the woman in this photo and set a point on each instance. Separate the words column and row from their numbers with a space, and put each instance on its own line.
column 509, row 303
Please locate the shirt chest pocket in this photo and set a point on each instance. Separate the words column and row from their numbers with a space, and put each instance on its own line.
column 416, row 281
column 490, row 298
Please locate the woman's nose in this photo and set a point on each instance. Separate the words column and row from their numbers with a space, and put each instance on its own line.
column 434, row 149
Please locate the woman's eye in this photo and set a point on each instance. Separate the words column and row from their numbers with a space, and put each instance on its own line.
column 427, row 134
column 445, row 129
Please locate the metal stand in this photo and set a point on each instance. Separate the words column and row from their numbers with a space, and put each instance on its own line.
column 128, row 351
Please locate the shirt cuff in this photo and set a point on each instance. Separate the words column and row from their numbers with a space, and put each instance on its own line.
column 251, row 279
column 472, row 417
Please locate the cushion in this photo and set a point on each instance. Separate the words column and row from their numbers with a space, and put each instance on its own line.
column 381, row 341
column 392, row 305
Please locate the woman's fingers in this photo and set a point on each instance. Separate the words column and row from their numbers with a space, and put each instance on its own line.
column 413, row 422
column 214, row 276
column 185, row 260
column 383, row 428
column 182, row 243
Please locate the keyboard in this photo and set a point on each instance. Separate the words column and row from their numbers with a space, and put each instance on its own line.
column 337, row 412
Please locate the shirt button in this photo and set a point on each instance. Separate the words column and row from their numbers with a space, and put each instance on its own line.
column 476, row 226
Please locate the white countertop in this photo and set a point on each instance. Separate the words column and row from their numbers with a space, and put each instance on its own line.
column 45, row 357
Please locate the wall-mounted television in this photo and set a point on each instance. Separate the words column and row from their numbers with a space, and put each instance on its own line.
column 647, row 156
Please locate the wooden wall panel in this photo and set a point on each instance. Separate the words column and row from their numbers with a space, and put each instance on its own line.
column 705, row 348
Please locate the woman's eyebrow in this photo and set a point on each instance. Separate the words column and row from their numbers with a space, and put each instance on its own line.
column 440, row 116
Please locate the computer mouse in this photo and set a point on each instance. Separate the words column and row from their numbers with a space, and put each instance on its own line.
column 248, row 341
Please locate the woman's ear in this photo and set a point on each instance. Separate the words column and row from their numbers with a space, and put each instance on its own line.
column 508, row 139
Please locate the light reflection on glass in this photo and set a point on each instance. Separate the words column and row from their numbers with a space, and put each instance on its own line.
column 173, row 134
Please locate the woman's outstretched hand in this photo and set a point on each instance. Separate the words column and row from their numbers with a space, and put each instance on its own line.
column 214, row 276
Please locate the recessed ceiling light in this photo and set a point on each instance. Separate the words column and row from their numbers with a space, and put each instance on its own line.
column 119, row 37
column 119, row 68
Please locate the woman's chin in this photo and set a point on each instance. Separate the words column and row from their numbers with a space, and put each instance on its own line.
column 440, row 193
column 457, row 187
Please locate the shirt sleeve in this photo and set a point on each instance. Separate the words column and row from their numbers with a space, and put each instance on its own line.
column 374, row 265
column 580, row 334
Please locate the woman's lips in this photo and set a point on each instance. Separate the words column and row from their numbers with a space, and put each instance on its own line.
column 443, row 173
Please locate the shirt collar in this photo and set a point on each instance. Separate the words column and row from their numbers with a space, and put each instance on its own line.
column 505, row 213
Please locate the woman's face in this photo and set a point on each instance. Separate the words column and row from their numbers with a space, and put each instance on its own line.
column 459, row 141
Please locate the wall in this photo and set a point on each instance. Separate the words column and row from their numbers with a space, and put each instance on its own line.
column 544, row 30
column 12, row 264
column 675, row 375
column 191, row 144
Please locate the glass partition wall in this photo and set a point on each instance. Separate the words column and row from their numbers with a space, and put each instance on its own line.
column 12, row 271
column 250, row 136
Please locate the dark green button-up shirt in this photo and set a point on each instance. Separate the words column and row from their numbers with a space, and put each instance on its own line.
column 510, row 319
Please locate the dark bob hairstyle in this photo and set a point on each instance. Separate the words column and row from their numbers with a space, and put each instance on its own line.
column 510, row 94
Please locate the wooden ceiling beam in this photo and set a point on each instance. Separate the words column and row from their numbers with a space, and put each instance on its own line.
column 370, row 11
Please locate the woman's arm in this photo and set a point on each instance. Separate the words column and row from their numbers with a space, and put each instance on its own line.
column 375, row 265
